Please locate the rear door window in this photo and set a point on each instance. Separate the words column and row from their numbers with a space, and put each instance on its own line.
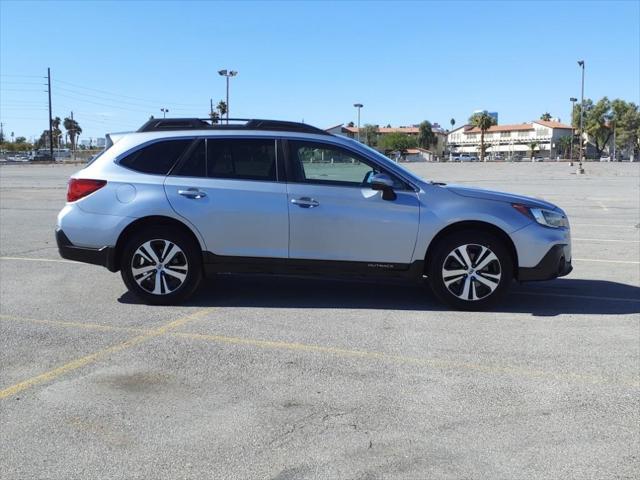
column 156, row 158
column 242, row 159
column 194, row 163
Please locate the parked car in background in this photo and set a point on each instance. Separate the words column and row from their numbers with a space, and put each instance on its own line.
column 183, row 198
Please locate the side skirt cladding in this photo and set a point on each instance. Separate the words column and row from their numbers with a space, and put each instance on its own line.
column 291, row 266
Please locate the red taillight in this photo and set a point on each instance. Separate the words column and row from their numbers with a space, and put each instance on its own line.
column 81, row 187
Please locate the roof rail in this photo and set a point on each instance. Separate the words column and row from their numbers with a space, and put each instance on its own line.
column 162, row 124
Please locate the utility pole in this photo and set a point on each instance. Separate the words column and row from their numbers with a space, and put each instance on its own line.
column 50, row 119
column 580, row 169
column 228, row 74
column 358, row 106
column 573, row 101
column 211, row 109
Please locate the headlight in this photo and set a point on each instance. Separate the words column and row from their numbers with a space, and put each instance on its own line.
column 548, row 218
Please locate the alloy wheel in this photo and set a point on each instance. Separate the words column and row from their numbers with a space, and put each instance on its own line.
column 471, row 272
column 159, row 266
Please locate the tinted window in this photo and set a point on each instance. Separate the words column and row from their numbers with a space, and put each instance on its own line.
column 157, row 158
column 195, row 162
column 248, row 159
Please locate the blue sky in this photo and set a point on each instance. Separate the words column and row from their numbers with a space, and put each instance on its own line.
column 116, row 63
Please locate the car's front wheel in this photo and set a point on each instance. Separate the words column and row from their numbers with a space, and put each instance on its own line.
column 470, row 270
column 161, row 267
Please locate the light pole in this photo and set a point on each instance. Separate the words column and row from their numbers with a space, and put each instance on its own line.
column 573, row 101
column 228, row 74
column 580, row 169
column 164, row 112
column 358, row 106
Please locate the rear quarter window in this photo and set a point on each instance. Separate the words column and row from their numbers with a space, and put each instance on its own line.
column 156, row 158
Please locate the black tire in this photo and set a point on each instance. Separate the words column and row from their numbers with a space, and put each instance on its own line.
column 498, row 273
column 174, row 285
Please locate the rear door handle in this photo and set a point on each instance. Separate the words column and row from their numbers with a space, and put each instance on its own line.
column 305, row 202
column 192, row 193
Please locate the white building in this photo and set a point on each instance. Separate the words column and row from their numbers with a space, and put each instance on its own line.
column 506, row 141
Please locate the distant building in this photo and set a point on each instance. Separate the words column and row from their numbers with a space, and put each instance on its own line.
column 493, row 115
column 99, row 142
column 413, row 130
column 506, row 141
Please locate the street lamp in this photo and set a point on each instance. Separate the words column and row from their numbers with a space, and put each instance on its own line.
column 164, row 112
column 573, row 101
column 228, row 74
column 358, row 106
column 580, row 169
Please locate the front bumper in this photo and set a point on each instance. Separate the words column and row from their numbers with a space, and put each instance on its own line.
column 104, row 256
column 553, row 265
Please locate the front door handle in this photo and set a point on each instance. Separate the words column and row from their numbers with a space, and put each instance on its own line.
column 305, row 202
column 192, row 193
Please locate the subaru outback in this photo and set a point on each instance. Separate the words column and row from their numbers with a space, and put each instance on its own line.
column 180, row 199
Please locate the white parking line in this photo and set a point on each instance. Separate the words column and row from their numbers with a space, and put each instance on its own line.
column 31, row 259
column 630, row 262
column 615, row 240
column 585, row 297
column 603, row 225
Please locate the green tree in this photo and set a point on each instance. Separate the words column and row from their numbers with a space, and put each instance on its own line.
column 533, row 146
column 452, row 122
column 222, row 108
column 57, row 133
column 351, row 124
column 214, row 116
column 625, row 117
column 545, row 116
column 73, row 130
column 20, row 140
column 596, row 122
column 369, row 135
column 426, row 137
column 564, row 146
column 397, row 142
column 483, row 121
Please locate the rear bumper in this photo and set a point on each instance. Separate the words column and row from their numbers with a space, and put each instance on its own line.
column 104, row 256
column 553, row 265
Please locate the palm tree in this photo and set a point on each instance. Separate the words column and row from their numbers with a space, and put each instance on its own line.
column 452, row 122
column 483, row 121
column 57, row 133
column 214, row 116
column 533, row 146
column 73, row 130
column 545, row 116
column 222, row 108
column 426, row 137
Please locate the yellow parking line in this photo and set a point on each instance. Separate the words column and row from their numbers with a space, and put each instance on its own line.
column 166, row 330
column 81, row 362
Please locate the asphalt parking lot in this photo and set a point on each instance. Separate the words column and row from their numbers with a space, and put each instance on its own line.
column 292, row 378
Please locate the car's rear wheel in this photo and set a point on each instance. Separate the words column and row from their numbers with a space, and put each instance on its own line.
column 161, row 267
column 470, row 270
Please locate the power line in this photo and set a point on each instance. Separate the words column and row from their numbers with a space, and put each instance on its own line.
column 155, row 102
column 118, row 102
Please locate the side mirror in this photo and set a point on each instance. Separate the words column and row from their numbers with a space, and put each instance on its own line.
column 384, row 183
